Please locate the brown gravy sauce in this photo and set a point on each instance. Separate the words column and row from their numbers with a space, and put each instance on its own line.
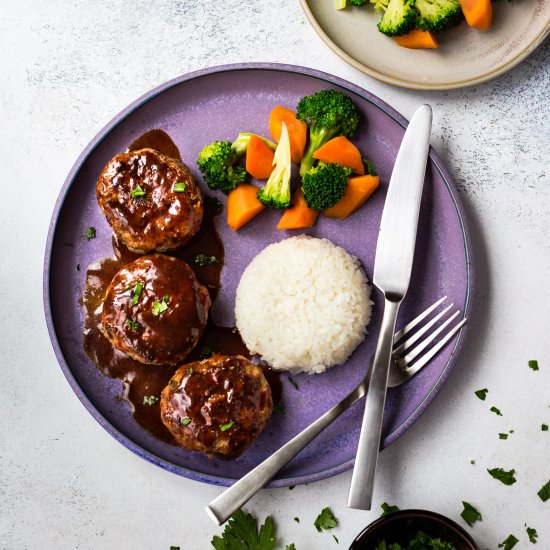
column 139, row 380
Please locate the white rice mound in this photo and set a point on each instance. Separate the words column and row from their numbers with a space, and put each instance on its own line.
column 303, row 304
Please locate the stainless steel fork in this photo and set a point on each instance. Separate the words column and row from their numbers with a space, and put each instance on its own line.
column 405, row 365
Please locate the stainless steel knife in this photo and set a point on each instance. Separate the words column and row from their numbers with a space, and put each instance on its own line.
column 392, row 273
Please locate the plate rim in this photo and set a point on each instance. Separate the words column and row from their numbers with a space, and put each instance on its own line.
column 105, row 131
column 412, row 85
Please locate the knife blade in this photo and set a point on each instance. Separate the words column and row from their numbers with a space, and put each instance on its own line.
column 392, row 273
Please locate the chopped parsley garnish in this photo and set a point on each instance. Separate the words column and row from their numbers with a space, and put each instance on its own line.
column 496, row 411
column 502, row 475
column 293, row 382
column 241, row 532
column 421, row 541
column 325, row 520
column 203, row 259
column 470, row 515
column 225, row 427
column 387, row 509
column 334, row 537
column 174, row 548
column 544, row 492
column 472, row 461
column 369, row 168
column 503, row 436
column 544, row 427
column 206, row 352
column 297, row 520
column 137, row 191
column 134, row 325
column 136, row 291
column 509, row 542
column 482, row 394
column 533, row 364
column 150, row 399
column 290, row 547
column 185, row 421
column 159, row 307
column 179, row 187
column 532, row 534
column 190, row 370
column 91, row 233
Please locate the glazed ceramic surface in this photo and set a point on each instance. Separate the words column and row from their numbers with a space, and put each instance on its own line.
column 466, row 56
column 215, row 104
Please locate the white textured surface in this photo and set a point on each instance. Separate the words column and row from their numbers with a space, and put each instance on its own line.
column 67, row 69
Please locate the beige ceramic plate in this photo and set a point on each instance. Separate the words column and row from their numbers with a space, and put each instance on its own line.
column 466, row 56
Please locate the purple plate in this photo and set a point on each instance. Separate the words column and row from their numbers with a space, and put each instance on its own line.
column 217, row 103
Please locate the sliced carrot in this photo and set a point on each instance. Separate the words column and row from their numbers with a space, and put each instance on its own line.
column 417, row 39
column 478, row 13
column 242, row 205
column 341, row 150
column 359, row 189
column 299, row 215
column 259, row 158
column 297, row 130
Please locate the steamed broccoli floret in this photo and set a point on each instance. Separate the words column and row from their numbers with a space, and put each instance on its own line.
column 328, row 113
column 324, row 185
column 276, row 193
column 399, row 17
column 217, row 162
column 438, row 15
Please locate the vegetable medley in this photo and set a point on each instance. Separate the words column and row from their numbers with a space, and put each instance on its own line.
column 334, row 178
column 414, row 23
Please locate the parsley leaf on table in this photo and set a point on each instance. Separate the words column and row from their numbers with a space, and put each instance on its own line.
column 387, row 509
column 534, row 364
column 532, row 534
column 325, row 520
column 509, row 542
column 544, row 492
column 496, row 411
column 544, row 427
column 241, row 533
column 482, row 394
column 502, row 475
column 503, row 436
column 470, row 515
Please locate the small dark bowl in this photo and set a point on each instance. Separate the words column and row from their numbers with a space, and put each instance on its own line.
column 400, row 527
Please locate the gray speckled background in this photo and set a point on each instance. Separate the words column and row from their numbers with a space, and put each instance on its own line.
column 67, row 69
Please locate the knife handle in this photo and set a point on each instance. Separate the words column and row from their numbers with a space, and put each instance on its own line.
column 362, row 481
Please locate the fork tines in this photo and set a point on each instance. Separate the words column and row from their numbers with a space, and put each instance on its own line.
column 407, row 339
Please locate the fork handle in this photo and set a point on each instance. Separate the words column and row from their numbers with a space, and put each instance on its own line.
column 223, row 506
column 362, row 481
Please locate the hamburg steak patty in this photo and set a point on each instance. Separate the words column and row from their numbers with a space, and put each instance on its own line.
column 155, row 310
column 217, row 406
column 150, row 200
